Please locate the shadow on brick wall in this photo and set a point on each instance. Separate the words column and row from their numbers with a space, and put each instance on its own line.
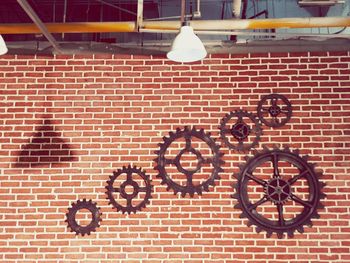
column 46, row 147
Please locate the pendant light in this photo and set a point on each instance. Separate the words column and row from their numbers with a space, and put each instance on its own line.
column 186, row 47
column 3, row 47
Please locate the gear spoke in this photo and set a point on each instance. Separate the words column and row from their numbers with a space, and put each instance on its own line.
column 188, row 146
column 281, row 221
column 116, row 189
column 256, row 179
column 129, row 176
column 276, row 172
column 260, row 202
column 297, row 177
column 129, row 202
column 265, row 109
column 274, row 102
column 300, row 201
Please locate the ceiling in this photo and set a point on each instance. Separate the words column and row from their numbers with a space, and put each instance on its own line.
column 149, row 41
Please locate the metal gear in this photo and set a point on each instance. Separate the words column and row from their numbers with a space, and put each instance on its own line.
column 96, row 217
column 278, row 190
column 129, row 182
column 274, row 110
column 240, row 130
column 189, row 188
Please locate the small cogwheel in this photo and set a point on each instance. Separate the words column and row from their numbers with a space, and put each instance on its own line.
column 189, row 186
column 136, row 190
column 274, row 110
column 240, row 130
column 278, row 191
column 96, row 217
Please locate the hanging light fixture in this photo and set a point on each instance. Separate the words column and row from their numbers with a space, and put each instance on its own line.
column 3, row 47
column 186, row 47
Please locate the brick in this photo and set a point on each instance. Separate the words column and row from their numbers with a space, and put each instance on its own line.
column 112, row 110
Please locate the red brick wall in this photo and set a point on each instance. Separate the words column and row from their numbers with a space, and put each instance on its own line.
column 108, row 111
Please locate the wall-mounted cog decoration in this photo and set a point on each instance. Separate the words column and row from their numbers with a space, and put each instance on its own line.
column 281, row 201
column 274, row 110
column 244, row 125
column 133, row 191
column 211, row 164
column 71, row 217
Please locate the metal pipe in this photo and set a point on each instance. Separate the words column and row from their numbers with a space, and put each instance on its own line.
column 246, row 33
column 139, row 14
column 234, row 24
column 31, row 13
column 183, row 11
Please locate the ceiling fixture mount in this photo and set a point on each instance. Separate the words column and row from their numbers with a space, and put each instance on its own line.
column 186, row 47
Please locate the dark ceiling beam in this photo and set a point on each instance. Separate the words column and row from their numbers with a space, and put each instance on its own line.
column 31, row 13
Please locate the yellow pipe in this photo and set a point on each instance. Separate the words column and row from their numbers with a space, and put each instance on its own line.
column 130, row 26
column 84, row 27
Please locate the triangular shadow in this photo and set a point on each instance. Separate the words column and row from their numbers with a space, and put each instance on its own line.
column 46, row 147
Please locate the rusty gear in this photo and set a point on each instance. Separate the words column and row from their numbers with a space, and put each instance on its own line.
column 240, row 130
column 274, row 110
column 189, row 188
column 96, row 217
column 278, row 191
column 147, row 189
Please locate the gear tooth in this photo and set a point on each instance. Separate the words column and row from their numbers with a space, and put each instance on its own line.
column 233, row 185
column 171, row 134
column 241, row 166
column 235, row 196
column 78, row 202
column 247, row 158
column 242, row 215
column 199, row 191
column 286, row 148
column 159, row 145
column 183, row 194
column 275, row 147
column 258, row 229
column 320, row 206
column 323, row 196
column 235, row 175
column 290, row 233
column 305, row 158
column 321, row 184
column 300, row 229
column 178, row 129
column 309, row 223
column 280, row 235
column 265, row 148
column 249, row 224
column 206, row 188
column 168, row 188
column 316, row 215
column 237, row 206
column 268, row 234
column 296, row 151
column 254, row 151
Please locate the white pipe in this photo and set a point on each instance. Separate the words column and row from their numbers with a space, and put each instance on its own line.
column 236, row 8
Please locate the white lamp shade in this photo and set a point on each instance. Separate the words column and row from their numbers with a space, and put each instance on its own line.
column 3, row 48
column 187, row 47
